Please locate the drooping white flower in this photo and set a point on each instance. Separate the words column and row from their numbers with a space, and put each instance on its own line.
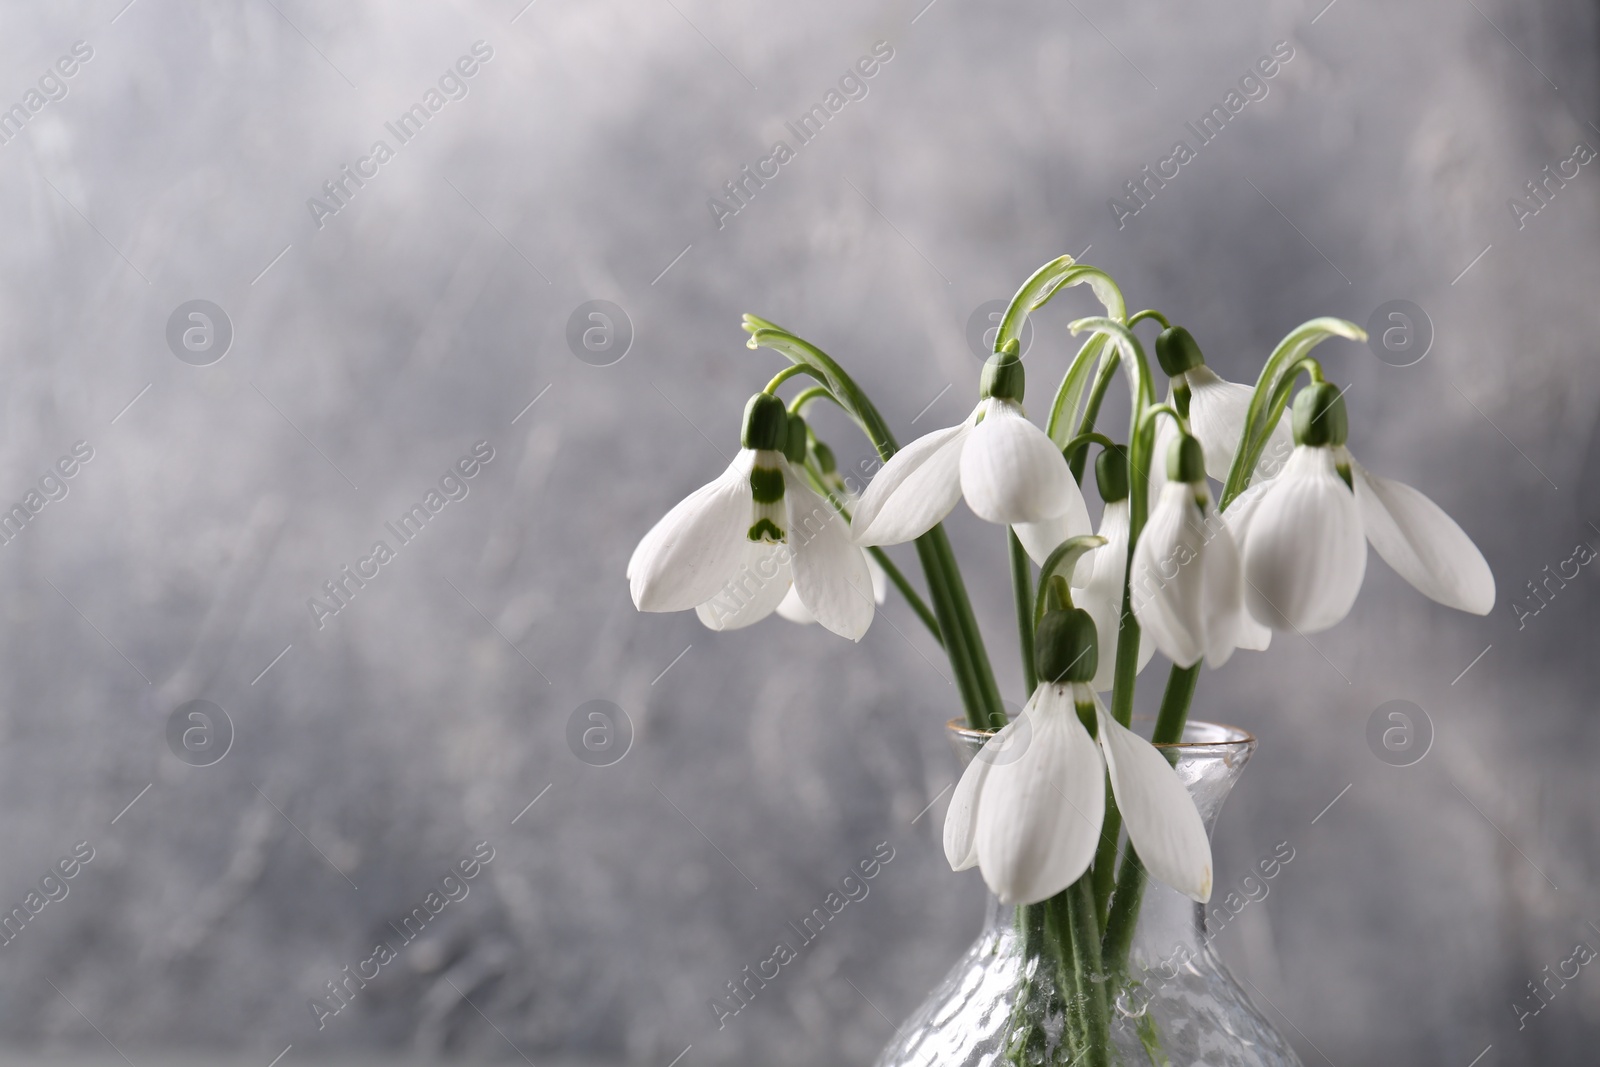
column 1007, row 468
column 1305, row 532
column 733, row 548
column 1028, row 809
column 1185, row 578
column 1304, row 553
column 1218, row 409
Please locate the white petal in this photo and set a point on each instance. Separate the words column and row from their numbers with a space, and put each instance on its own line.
column 697, row 546
column 1217, row 410
column 1162, row 821
column 1422, row 543
column 1243, row 508
column 830, row 570
column 1011, row 472
column 791, row 607
column 1101, row 595
column 880, row 580
column 1305, row 554
column 1168, row 588
column 917, row 487
column 1166, row 432
column 1251, row 634
column 961, row 818
column 1039, row 539
column 1224, row 595
column 754, row 591
column 1040, row 816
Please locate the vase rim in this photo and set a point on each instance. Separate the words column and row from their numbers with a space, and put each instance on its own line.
column 1234, row 738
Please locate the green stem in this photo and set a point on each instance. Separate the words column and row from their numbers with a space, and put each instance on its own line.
column 808, row 394
column 980, row 696
column 1091, row 411
column 1124, row 913
column 1257, row 425
column 1022, row 593
column 1091, row 979
column 1105, row 856
column 786, row 373
column 1141, row 435
column 902, row 583
column 1149, row 313
column 963, row 643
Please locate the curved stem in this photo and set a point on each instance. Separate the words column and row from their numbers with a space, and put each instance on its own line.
column 808, row 394
column 1069, row 394
column 1091, row 410
column 1141, row 435
column 1149, row 313
column 1060, row 273
column 792, row 370
column 963, row 643
column 1257, row 424
column 1022, row 593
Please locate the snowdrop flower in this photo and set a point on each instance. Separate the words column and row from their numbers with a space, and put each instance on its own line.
column 1028, row 809
column 1006, row 467
column 1217, row 407
column 1305, row 535
column 1104, row 569
column 733, row 548
column 1185, row 578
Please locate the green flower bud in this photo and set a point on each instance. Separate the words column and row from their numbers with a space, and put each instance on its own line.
column 1177, row 351
column 1186, row 460
column 1002, row 377
column 766, row 424
column 794, row 449
column 1319, row 416
column 824, row 457
column 1065, row 647
column 1111, row 474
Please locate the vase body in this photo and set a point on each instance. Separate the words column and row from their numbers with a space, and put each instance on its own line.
column 1179, row 1007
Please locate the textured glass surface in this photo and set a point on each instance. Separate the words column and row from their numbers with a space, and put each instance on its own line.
column 1180, row 1008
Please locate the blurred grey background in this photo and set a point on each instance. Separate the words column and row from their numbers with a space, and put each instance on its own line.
column 372, row 346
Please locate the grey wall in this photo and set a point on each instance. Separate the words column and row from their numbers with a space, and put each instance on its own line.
column 426, row 313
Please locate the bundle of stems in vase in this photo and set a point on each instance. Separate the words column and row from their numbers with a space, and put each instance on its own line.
column 1042, row 808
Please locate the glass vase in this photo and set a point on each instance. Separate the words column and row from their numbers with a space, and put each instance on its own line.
column 1178, row 1005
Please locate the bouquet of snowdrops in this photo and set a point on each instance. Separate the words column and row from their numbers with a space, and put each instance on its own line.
column 1173, row 567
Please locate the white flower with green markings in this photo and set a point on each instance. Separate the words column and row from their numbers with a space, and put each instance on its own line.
column 1030, row 820
column 734, row 548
